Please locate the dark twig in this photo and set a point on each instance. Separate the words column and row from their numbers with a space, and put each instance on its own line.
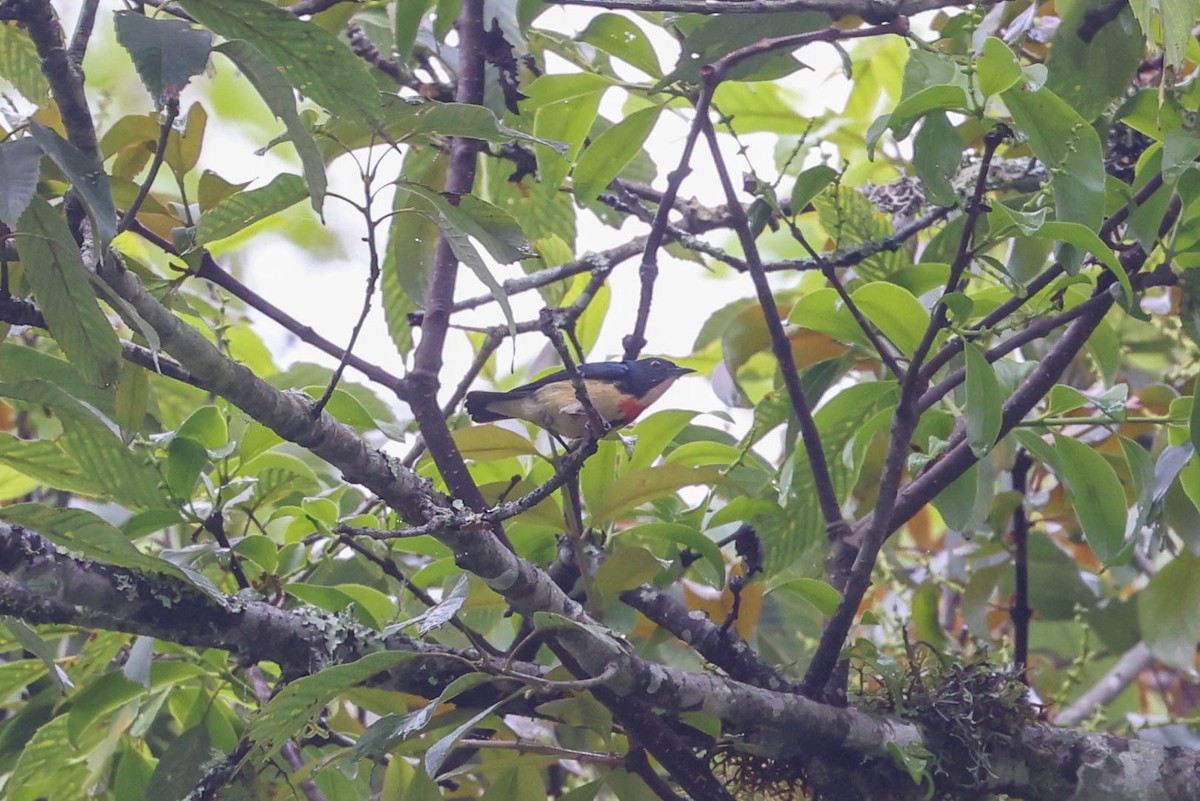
column 368, row 295
column 83, row 32
column 160, row 152
column 1095, row 19
column 1020, row 611
column 215, row 524
column 636, row 340
column 856, row 254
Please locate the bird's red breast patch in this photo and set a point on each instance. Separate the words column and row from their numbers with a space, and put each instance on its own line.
column 630, row 408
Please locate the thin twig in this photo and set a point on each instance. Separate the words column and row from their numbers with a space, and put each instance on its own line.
column 171, row 111
column 368, row 295
column 83, row 32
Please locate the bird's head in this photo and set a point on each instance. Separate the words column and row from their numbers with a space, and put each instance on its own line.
column 648, row 379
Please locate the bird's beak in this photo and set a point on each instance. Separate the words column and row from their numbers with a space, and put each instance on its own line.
column 678, row 371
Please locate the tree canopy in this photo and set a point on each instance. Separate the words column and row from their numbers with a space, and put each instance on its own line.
column 943, row 542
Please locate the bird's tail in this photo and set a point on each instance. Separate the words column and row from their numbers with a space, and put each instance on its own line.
column 479, row 403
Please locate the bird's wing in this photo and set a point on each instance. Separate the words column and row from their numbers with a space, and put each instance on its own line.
column 604, row 371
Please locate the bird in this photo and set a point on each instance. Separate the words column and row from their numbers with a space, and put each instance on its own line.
column 619, row 391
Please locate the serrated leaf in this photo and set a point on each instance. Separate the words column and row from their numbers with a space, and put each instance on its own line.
column 86, row 175
column 46, row 463
column 62, row 285
column 277, row 93
column 81, row 532
column 686, row 536
column 495, row 229
column 1096, row 495
column 298, row 703
column 382, row 735
column 465, row 252
column 20, row 164
column 94, row 442
column 849, row 218
column 311, row 58
column 242, row 210
column 166, row 53
column 20, row 64
column 604, row 159
column 984, row 401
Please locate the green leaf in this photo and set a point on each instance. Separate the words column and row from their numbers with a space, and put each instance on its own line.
column 242, row 210
column 184, row 763
column 493, row 227
column 1173, row 19
column 1086, row 239
column 165, row 52
column 108, row 692
column 62, row 285
column 20, row 63
column 681, row 534
column 412, row 244
column 849, row 218
column 93, row 441
column 207, row 426
column 1088, row 76
column 895, row 312
column 465, row 252
column 809, row 184
column 298, row 703
column 488, row 443
column 277, row 94
column 46, row 463
column 315, row 62
column 185, row 459
column 655, row 432
column 821, row 595
column 610, row 152
column 625, row 568
column 1070, row 149
column 82, row 532
column 934, row 98
column 1096, row 495
column 716, row 36
column 937, row 156
column 1169, row 611
column 637, row 487
column 436, row 756
column 997, row 68
column 619, row 36
column 984, row 398
column 86, row 175
column 20, row 165
column 382, row 735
